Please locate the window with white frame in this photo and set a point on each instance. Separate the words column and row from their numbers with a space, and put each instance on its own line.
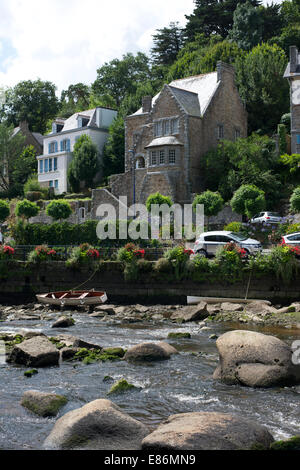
column 172, row 156
column 153, row 158
column 161, row 157
column 166, row 127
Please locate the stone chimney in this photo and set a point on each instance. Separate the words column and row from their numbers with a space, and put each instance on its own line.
column 147, row 104
column 223, row 68
column 293, row 59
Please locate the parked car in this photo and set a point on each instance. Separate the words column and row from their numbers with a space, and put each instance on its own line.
column 267, row 218
column 208, row 242
column 292, row 239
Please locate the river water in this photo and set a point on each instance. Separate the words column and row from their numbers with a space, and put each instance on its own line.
column 182, row 384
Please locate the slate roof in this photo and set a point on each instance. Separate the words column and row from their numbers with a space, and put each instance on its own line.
column 167, row 140
column 193, row 93
column 38, row 137
column 71, row 123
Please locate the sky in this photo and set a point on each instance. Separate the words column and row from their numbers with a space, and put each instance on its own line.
column 65, row 41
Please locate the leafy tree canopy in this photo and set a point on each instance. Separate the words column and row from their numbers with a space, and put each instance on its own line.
column 212, row 202
column 261, row 85
column 167, row 43
column 85, row 163
column 248, row 200
column 4, row 210
column 247, row 26
column 31, row 101
column 119, row 77
column 295, row 200
column 59, row 209
column 26, row 209
column 212, row 17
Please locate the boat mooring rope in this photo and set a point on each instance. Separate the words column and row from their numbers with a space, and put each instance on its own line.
column 77, row 287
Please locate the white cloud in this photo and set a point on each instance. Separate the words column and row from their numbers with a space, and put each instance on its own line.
column 65, row 41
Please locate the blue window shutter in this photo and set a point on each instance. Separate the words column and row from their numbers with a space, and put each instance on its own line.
column 55, row 163
column 49, row 148
column 41, row 166
column 68, row 145
column 61, row 145
column 56, row 147
column 298, row 138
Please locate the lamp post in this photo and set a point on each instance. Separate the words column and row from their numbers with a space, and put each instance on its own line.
column 132, row 153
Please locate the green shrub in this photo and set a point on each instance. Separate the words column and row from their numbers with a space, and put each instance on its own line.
column 178, row 257
column 83, row 255
column 234, row 227
column 26, row 209
column 34, row 196
column 4, row 210
column 282, row 263
column 295, row 200
column 59, row 209
column 33, row 185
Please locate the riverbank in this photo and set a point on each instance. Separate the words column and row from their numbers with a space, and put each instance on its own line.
column 254, row 313
column 183, row 384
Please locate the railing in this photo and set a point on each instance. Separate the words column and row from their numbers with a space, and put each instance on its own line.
column 63, row 251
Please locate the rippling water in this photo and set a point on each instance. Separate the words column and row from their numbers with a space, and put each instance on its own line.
column 182, row 384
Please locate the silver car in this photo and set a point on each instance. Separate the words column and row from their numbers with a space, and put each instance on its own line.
column 208, row 243
column 292, row 239
column 267, row 218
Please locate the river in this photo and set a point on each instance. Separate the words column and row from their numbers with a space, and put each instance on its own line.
column 182, row 384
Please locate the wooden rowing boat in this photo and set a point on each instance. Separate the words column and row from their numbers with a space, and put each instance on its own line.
column 75, row 298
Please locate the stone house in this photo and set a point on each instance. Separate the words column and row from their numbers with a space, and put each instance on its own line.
column 31, row 138
column 292, row 73
column 54, row 160
column 167, row 137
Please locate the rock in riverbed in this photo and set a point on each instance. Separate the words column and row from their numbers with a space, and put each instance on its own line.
column 35, row 352
column 63, row 322
column 43, row 404
column 255, row 360
column 147, row 352
column 99, row 425
column 207, row 431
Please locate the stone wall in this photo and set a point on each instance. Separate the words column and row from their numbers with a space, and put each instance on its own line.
column 23, row 282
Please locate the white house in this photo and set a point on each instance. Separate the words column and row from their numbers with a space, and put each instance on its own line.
column 59, row 145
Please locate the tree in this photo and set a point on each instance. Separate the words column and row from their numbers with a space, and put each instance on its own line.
column 158, row 199
column 31, row 101
column 248, row 200
column 295, row 200
column 4, row 210
column 25, row 165
column 212, row 202
column 59, row 209
column 212, row 17
column 196, row 59
column 262, row 87
column 271, row 20
column 120, row 77
column 167, row 43
column 11, row 147
column 113, row 151
column 247, row 26
column 26, row 209
column 85, row 163
column 247, row 161
column 76, row 98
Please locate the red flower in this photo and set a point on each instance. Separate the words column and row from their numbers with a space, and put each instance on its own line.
column 92, row 253
column 51, row 252
column 8, row 250
column 188, row 252
column 140, row 253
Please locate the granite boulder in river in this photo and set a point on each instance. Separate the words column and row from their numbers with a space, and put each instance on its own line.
column 255, row 360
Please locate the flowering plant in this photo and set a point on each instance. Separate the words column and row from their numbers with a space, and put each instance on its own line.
column 6, row 252
column 42, row 253
column 83, row 254
column 129, row 253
